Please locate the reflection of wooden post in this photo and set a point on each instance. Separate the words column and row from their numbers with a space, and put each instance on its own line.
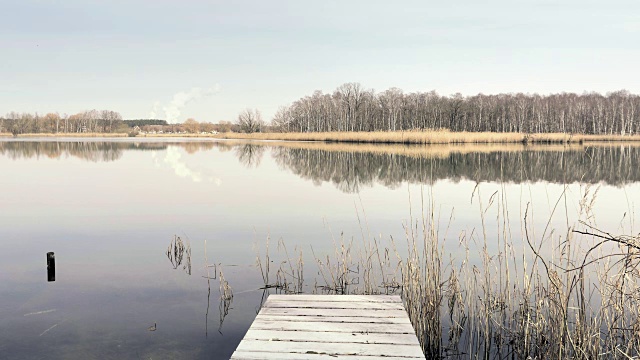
column 51, row 266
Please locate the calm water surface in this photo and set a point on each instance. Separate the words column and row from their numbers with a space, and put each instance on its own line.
column 110, row 209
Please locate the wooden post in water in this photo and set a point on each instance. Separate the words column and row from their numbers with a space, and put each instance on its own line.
column 51, row 266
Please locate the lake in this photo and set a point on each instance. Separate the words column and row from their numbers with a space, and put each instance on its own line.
column 110, row 210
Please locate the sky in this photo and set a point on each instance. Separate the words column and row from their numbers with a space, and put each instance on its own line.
column 210, row 60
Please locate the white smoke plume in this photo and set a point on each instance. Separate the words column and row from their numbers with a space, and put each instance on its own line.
column 181, row 99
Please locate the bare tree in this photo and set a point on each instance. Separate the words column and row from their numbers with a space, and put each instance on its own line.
column 192, row 126
column 282, row 119
column 51, row 123
column 250, row 121
column 109, row 120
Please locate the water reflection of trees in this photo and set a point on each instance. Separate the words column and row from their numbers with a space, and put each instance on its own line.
column 250, row 155
column 350, row 171
column 94, row 151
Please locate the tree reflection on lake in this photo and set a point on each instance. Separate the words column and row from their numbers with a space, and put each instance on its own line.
column 89, row 150
column 349, row 171
column 351, row 167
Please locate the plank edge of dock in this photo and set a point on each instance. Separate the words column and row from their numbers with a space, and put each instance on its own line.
column 287, row 333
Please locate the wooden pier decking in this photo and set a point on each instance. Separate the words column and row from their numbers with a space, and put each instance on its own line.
column 330, row 326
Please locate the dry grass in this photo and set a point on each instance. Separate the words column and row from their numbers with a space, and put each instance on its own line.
column 226, row 293
column 176, row 252
column 226, row 299
column 568, row 294
column 289, row 274
column 431, row 137
column 435, row 151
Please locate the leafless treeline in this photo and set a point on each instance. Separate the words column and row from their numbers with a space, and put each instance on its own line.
column 93, row 121
column 352, row 108
column 96, row 151
column 93, row 151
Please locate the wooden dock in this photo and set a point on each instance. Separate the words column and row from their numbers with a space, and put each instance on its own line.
column 330, row 326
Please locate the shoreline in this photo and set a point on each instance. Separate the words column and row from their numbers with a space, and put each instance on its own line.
column 64, row 135
column 410, row 137
column 434, row 137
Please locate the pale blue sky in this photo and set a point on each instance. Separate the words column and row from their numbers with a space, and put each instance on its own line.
column 74, row 55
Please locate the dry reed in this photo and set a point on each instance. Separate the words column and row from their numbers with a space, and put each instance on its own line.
column 571, row 294
column 226, row 293
column 431, row 137
column 226, row 299
column 381, row 137
column 289, row 274
column 176, row 252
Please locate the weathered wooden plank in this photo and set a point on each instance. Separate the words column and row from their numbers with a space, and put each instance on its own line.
column 324, row 326
column 337, row 319
column 331, row 337
column 341, row 298
column 391, row 313
column 333, row 305
column 258, row 323
column 260, row 355
column 331, row 348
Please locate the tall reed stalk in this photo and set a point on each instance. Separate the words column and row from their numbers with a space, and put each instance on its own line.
column 572, row 293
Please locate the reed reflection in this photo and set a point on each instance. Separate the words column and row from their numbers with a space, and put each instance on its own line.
column 226, row 299
column 179, row 251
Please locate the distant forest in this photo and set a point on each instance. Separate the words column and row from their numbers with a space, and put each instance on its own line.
column 145, row 122
column 91, row 121
column 352, row 108
column 95, row 121
column 99, row 121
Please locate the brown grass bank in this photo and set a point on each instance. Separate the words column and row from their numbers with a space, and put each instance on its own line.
column 433, row 151
column 432, row 137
